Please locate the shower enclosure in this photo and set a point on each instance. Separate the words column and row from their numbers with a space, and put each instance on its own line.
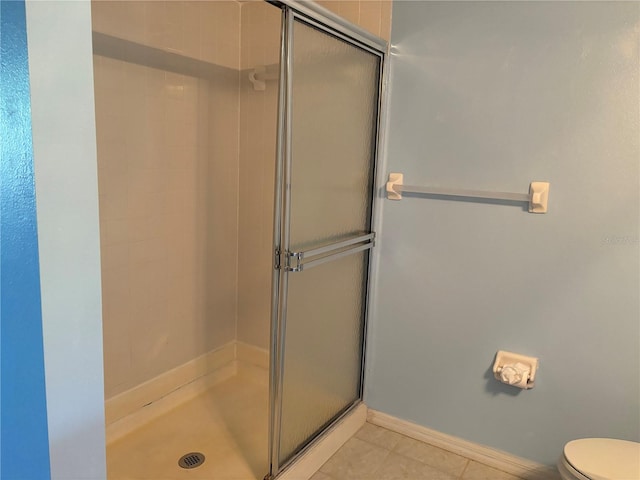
column 236, row 150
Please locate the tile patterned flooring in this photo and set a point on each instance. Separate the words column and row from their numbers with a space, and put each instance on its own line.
column 376, row 453
column 228, row 423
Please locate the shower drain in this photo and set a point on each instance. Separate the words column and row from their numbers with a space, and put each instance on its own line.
column 191, row 460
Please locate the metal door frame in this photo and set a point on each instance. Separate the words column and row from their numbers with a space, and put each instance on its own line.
column 331, row 24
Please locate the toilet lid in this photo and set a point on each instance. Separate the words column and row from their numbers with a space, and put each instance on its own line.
column 604, row 458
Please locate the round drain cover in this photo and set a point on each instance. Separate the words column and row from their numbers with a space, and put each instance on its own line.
column 191, row 460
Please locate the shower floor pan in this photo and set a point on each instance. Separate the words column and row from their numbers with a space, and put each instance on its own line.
column 228, row 424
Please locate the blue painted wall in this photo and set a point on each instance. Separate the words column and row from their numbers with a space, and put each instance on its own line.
column 24, row 448
column 490, row 96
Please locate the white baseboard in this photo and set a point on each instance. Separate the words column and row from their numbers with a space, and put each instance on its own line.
column 329, row 443
column 503, row 461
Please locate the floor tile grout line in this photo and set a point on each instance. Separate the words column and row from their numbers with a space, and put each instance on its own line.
column 467, row 459
column 394, row 450
column 433, row 466
column 377, row 444
column 331, row 477
column 382, row 464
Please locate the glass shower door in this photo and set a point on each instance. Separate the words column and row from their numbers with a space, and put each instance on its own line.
column 324, row 240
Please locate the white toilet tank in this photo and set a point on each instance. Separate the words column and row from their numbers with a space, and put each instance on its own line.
column 603, row 459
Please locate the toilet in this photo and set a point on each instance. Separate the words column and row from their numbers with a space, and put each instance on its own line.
column 600, row 459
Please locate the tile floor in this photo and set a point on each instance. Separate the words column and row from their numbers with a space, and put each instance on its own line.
column 375, row 453
column 228, row 424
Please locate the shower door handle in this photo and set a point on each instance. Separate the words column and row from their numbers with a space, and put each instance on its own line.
column 298, row 261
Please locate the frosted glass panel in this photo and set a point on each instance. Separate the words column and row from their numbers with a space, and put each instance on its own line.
column 333, row 133
column 335, row 98
column 323, row 347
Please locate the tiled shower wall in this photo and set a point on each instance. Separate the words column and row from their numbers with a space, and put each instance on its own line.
column 186, row 181
column 258, row 122
column 168, row 177
column 372, row 15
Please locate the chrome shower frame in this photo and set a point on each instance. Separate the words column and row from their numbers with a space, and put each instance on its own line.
column 326, row 21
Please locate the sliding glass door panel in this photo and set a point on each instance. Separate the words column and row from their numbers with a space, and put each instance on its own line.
column 330, row 118
column 323, row 341
column 334, row 112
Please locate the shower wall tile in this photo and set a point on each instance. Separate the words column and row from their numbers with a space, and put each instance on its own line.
column 116, row 256
column 228, row 40
column 385, row 20
column 249, row 22
column 372, row 15
column 174, row 32
column 115, row 231
column 118, row 350
column 258, row 122
column 192, row 28
column 260, row 29
column 116, row 306
column 350, row 9
column 168, row 150
column 205, row 30
column 208, row 31
column 220, row 224
column 151, row 250
column 119, row 18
